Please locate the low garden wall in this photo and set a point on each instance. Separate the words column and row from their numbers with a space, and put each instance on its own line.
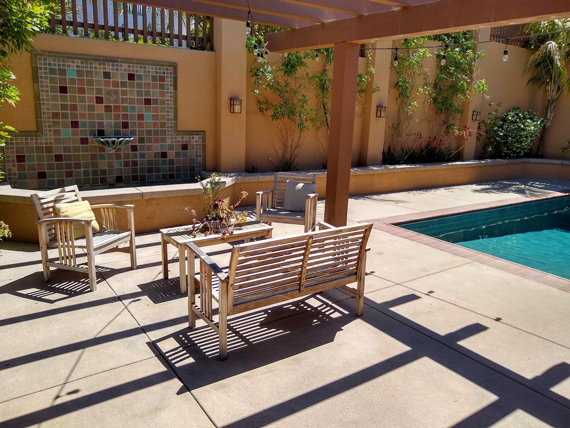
column 170, row 205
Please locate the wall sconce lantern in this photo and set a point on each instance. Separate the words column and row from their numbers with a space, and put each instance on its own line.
column 235, row 105
column 381, row 111
column 476, row 116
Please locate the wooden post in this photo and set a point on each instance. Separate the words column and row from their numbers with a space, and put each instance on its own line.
column 223, row 320
column 95, row 20
column 132, row 244
column 345, row 73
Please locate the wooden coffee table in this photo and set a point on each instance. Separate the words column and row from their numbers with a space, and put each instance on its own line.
column 179, row 236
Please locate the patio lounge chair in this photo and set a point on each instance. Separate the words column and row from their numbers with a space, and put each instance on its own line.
column 292, row 200
column 69, row 234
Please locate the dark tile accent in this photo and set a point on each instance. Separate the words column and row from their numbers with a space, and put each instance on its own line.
column 58, row 158
column 106, row 75
column 147, row 102
column 74, row 124
column 99, row 100
column 42, row 175
column 131, row 77
column 21, row 158
column 84, row 141
column 63, row 90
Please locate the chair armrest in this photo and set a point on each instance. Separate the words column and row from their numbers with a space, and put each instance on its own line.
column 323, row 225
column 262, row 203
column 125, row 206
column 212, row 265
column 71, row 220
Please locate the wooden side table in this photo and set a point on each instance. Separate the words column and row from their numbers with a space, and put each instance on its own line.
column 178, row 236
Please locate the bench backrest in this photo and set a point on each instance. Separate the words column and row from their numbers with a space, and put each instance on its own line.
column 318, row 260
column 44, row 204
column 280, row 184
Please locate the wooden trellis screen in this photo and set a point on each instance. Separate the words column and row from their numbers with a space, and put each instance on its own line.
column 133, row 22
column 500, row 34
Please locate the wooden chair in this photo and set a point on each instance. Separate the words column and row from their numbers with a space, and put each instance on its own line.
column 269, row 203
column 58, row 233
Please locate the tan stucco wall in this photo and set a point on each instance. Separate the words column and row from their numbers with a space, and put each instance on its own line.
column 195, row 92
column 262, row 138
column 165, row 206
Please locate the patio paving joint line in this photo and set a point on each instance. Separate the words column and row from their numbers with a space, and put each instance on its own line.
column 465, row 354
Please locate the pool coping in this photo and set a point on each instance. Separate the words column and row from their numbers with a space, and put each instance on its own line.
column 390, row 225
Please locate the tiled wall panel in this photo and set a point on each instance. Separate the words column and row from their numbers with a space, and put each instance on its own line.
column 79, row 97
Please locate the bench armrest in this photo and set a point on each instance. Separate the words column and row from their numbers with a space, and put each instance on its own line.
column 323, row 226
column 212, row 265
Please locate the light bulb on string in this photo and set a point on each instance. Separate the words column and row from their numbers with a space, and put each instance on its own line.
column 506, row 51
column 259, row 57
column 396, row 58
column 444, row 57
column 255, row 49
column 317, row 56
column 248, row 28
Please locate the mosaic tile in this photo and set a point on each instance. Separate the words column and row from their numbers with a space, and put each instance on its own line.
column 81, row 97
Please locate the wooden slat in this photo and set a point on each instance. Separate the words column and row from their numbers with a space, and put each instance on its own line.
column 267, row 274
column 162, row 27
column 179, row 15
column 268, row 263
column 125, row 21
column 196, row 31
column 154, row 25
column 136, row 22
column 106, row 19
column 96, row 18
column 116, row 20
column 84, row 18
column 171, row 25
column 188, row 29
column 63, row 17
column 145, row 23
column 74, row 16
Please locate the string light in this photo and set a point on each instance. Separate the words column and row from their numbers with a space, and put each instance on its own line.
column 396, row 58
column 249, row 23
column 506, row 51
column 317, row 56
column 444, row 57
column 255, row 48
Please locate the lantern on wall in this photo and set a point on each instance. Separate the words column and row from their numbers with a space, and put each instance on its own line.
column 381, row 111
column 235, row 105
column 476, row 116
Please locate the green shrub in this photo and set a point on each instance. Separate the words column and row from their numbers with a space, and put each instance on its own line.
column 512, row 134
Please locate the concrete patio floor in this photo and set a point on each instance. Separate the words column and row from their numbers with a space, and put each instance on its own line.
column 444, row 340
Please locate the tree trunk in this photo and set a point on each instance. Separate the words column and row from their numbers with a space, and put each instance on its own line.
column 548, row 116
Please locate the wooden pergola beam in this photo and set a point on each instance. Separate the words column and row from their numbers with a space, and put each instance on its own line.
column 351, row 7
column 238, row 14
column 394, row 3
column 436, row 17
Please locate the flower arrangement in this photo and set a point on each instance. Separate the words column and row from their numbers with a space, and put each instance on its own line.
column 217, row 217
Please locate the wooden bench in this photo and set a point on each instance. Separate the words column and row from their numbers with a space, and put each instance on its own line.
column 277, row 270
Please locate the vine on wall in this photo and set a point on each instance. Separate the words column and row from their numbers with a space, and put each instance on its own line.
column 296, row 100
column 453, row 83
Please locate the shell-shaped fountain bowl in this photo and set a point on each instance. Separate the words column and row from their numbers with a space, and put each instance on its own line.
column 112, row 143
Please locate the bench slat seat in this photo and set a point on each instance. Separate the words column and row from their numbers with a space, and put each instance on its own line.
column 276, row 270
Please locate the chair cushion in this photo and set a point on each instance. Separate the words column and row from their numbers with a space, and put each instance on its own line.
column 295, row 195
column 80, row 209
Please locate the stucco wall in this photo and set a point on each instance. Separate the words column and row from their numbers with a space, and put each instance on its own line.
column 196, row 81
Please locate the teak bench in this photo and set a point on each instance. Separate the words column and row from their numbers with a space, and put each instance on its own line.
column 277, row 270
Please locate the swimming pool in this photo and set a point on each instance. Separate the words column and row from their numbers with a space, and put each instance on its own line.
column 534, row 234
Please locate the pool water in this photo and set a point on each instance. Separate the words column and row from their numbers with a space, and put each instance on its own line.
column 534, row 234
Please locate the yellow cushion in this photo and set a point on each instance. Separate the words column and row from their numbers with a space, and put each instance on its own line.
column 77, row 210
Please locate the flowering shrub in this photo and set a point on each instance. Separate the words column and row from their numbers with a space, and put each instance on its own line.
column 444, row 147
column 511, row 134
column 4, row 230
